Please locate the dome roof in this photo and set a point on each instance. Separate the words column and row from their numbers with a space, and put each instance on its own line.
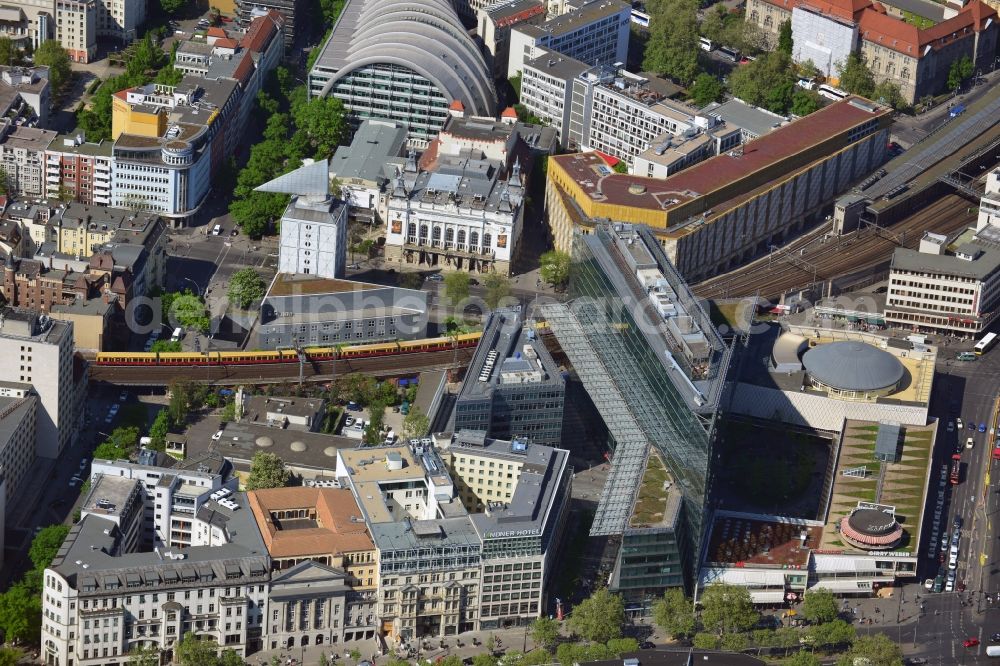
column 298, row 446
column 330, row 451
column 853, row 366
column 425, row 36
column 265, row 442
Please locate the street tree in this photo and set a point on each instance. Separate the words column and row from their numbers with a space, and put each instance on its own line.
column 706, row 88
column 672, row 49
column 373, row 431
column 959, row 71
column 855, row 76
column 803, row 658
column 833, row 633
column 144, row 655
column 554, row 268
column 713, row 26
column 889, row 93
column 52, row 55
column 819, row 606
column 246, row 287
column 230, row 657
column 544, row 632
column 599, row 617
column 619, row 646
column 456, row 286
column 323, row 120
column 121, row 444
column 416, row 423
column 10, row 656
column 674, row 613
column 194, row 650
column 497, row 289
column 734, row 642
column 766, row 82
column 267, row 470
column 873, row 650
column 8, row 52
column 166, row 346
column 181, row 392
column 410, row 280
column 727, row 609
column 188, row 311
column 785, row 37
column 158, row 430
column 21, row 613
column 705, row 640
column 46, row 544
column 171, row 7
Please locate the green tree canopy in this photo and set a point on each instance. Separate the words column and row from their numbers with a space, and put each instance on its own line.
column 9, row 54
column 416, row 423
column 889, row 93
column 51, row 54
column 674, row 613
column 166, row 346
column 819, row 606
column 727, row 609
column 805, row 102
column 599, row 617
column 46, row 544
column 497, row 289
column 706, row 88
column 246, row 287
column 373, row 431
column 189, row 311
column 878, row 649
column 120, row 445
column 267, row 470
column 21, row 613
column 162, row 425
column 554, row 268
column 713, row 26
column 855, row 76
column 194, row 650
column 672, row 49
column 803, row 658
column 544, row 632
column 146, row 655
column 785, row 37
column 704, row 640
column 833, row 633
column 324, row 123
column 768, row 82
column 171, row 7
column 410, row 280
column 960, row 70
column 456, row 287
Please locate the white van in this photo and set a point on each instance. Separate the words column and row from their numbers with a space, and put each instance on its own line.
column 178, row 334
column 706, row 44
column 217, row 230
column 969, row 443
column 993, row 651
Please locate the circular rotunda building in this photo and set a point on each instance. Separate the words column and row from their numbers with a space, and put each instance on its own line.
column 853, row 370
column 871, row 529
column 404, row 61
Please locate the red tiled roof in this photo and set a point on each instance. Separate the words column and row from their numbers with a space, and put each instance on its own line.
column 225, row 43
column 717, row 172
column 904, row 38
column 456, row 105
column 244, row 69
column 845, row 9
column 509, row 112
column 216, row 32
column 610, row 159
column 259, row 33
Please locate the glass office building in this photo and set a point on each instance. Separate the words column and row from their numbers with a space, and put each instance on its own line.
column 654, row 366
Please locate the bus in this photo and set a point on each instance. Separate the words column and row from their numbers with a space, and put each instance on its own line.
column 730, row 54
column 956, row 469
column 828, row 91
column 984, row 345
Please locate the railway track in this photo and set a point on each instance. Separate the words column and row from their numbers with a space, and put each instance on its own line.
column 836, row 257
column 136, row 375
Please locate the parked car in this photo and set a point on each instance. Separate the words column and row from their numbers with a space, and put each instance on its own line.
column 436, row 277
column 959, row 422
column 972, row 425
column 982, row 427
column 972, row 641
column 995, row 638
column 217, row 436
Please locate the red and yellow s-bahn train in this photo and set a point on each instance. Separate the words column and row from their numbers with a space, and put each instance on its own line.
column 288, row 355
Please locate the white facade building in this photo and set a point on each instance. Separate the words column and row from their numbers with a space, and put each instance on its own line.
column 824, row 39
column 22, row 155
column 946, row 293
column 597, row 33
column 989, row 204
column 120, row 19
column 39, row 351
column 464, row 210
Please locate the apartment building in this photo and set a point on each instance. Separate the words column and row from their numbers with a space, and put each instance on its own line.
column 989, row 204
column 596, row 33
column 78, row 170
column 174, row 495
column 514, row 388
column 120, row 19
column 948, row 285
column 22, row 157
column 29, row 22
column 19, row 406
column 917, row 59
column 247, row 11
column 39, row 352
column 365, row 167
column 77, row 26
column 20, row 86
column 101, row 601
column 462, row 206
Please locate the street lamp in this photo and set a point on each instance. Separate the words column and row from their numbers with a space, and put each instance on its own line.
column 196, row 286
